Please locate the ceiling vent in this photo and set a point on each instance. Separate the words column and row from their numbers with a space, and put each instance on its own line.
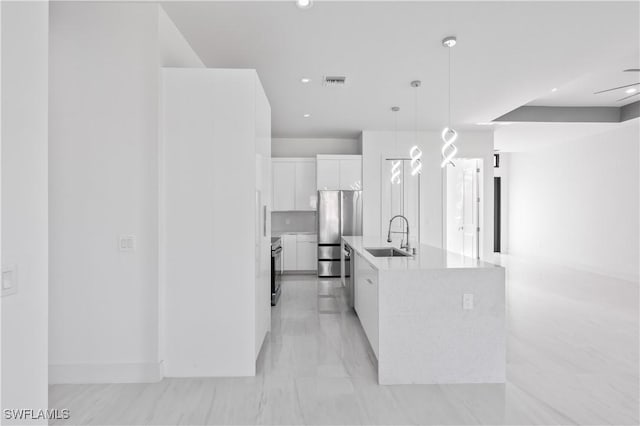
column 335, row 81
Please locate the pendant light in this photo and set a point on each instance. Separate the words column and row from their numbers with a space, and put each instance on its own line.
column 415, row 152
column 396, row 165
column 449, row 135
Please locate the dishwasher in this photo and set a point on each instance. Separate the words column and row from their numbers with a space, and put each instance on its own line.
column 348, row 265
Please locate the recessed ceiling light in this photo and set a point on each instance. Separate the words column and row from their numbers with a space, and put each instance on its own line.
column 304, row 4
column 631, row 90
column 307, row 115
column 555, row 89
column 305, row 80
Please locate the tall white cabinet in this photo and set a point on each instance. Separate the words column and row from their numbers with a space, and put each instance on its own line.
column 215, row 176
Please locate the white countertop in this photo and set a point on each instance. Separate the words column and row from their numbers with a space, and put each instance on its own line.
column 280, row 233
column 426, row 258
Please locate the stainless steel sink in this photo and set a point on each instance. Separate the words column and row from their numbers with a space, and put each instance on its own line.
column 387, row 252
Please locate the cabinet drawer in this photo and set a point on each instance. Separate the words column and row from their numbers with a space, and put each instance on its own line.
column 309, row 238
column 329, row 252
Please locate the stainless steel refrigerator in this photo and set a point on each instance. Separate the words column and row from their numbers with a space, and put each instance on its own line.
column 339, row 214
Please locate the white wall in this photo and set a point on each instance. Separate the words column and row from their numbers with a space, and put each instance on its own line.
column 175, row 50
column 310, row 147
column 104, row 79
column 24, row 203
column 576, row 202
column 377, row 145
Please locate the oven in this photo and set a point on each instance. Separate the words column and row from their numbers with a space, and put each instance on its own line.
column 276, row 269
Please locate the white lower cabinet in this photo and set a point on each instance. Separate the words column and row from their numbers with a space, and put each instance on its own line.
column 307, row 253
column 299, row 252
column 290, row 251
column 366, row 300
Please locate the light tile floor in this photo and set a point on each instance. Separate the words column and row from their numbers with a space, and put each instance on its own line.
column 572, row 355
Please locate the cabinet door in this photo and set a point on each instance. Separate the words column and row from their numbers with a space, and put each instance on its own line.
column 306, row 194
column 366, row 300
column 351, row 174
column 284, row 181
column 306, row 256
column 290, row 252
column 328, row 174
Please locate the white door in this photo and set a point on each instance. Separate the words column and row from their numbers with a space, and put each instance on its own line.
column 351, row 174
column 284, row 181
column 469, row 210
column 305, row 182
column 328, row 174
column 463, row 207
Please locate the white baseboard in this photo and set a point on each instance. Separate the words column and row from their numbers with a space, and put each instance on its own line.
column 105, row 373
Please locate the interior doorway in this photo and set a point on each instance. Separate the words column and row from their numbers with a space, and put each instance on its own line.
column 464, row 200
column 497, row 214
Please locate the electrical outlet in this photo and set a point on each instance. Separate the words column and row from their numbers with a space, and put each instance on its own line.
column 467, row 301
column 127, row 242
column 9, row 280
column 287, row 221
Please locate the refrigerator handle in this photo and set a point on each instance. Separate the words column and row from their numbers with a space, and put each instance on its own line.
column 340, row 198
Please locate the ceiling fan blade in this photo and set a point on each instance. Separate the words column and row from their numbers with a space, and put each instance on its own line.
column 616, row 88
column 632, row 70
column 627, row 97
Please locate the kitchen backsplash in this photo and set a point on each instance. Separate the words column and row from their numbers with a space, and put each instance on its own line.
column 293, row 221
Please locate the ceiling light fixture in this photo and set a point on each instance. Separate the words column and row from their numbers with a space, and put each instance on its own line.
column 449, row 135
column 307, row 115
column 555, row 89
column 304, row 4
column 305, row 80
column 631, row 90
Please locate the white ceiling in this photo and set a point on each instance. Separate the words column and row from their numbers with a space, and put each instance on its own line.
column 520, row 137
column 509, row 53
column 581, row 91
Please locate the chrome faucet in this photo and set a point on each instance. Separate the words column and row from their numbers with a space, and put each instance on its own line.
column 402, row 246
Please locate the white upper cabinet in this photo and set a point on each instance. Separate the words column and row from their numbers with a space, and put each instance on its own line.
column 284, row 185
column 328, row 174
column 339, row 172
column 351, row 173
column 294, row 184
column 306, row 194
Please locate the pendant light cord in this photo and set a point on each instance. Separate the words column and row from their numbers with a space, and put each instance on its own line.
column 449, row 82
column 395, row 132
column 415, row 116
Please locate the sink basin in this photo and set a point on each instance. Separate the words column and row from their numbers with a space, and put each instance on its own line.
column 387, row 252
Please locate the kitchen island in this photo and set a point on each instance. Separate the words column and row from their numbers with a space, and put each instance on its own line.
column 434, row 317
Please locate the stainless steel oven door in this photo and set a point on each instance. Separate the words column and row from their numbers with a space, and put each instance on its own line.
column 276, row 275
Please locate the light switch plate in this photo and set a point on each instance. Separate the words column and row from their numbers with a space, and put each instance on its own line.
column 127, row 242
column 467, row 301
column 9, row 280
